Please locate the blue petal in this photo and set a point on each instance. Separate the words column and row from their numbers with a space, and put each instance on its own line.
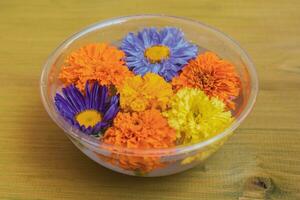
column 141, row 70
column 87, row 96
column 68, row 93
column 103, row 98
column 96, row 97
column 111, row 112
column 181, row 51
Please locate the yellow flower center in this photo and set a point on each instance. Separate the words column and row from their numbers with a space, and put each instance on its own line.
column 88, row 118
column 157, row 53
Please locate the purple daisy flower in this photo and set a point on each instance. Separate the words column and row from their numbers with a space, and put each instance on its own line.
column 90, row 113
column 164, row 52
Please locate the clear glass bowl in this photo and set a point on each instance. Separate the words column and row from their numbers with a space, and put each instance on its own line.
column 150, row 162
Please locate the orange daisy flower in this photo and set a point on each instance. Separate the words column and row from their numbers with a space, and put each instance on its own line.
column 216, row 77
column 95, row 62
column 140, row 130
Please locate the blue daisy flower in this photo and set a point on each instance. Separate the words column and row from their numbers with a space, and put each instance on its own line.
column 164, row 52
column 90, row 113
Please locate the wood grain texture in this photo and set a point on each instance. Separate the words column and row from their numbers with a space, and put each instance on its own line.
column 261, row 161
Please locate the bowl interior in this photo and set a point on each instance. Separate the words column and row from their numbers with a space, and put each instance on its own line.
column 113, row 31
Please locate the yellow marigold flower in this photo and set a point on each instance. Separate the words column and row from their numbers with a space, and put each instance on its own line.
column 196, row 117
column 140, row 93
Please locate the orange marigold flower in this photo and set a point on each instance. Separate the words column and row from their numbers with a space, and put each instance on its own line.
column 216, row 77
column 140, row 130
column 101, row 62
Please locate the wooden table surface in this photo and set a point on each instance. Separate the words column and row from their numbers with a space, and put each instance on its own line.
column 261, row 161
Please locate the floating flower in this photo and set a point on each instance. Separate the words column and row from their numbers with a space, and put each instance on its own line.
column 196, row 117
column 141, row 93
column 100, row 63
column 91, row 113
column 163, row 52
column 216, row 77
column 146, row 129
column 139, row 165
column 203, row 154
column 140, row 130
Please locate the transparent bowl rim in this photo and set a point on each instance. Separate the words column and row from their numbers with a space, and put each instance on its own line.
column 78, row 135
